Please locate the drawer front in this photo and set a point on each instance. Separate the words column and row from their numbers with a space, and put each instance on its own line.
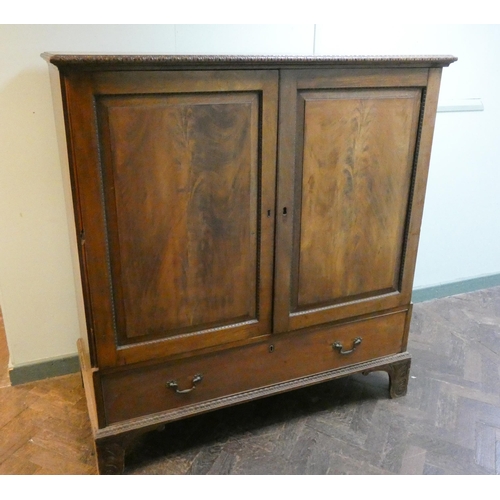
column 143, row 391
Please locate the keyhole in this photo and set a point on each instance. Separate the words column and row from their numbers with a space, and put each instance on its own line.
column 271, row 348
column 284, row 211
column 269, row 213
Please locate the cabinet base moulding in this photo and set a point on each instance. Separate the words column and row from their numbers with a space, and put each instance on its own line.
column 112, row 441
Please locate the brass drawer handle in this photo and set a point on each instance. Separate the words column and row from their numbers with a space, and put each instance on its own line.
column 173, row 384
column 338, row 345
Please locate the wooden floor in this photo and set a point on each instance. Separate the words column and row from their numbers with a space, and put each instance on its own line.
column 449, row 422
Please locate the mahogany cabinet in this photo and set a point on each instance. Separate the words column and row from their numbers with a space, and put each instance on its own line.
column 245, row 225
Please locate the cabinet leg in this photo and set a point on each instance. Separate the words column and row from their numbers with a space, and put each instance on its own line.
column 110, row 457
column 399, row 374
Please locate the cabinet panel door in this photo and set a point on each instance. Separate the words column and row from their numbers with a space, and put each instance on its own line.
column 183, row 169
column 347, row 167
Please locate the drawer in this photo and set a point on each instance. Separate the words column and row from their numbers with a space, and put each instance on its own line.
column 142, row 391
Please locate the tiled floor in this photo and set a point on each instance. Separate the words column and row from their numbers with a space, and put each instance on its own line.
column 448, row 423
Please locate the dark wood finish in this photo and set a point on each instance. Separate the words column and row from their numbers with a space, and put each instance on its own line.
column 132, row 394
column 182, row 202
column 91, row 62
column 110, row 457
column 183, row 168
column 354, row 193
column 178, row 174
column 399, row 373
column 348, row 164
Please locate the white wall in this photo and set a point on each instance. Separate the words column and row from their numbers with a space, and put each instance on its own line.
column 460, row 235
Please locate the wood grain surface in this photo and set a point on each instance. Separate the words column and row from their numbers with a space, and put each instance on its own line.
column 143, row 391
column 351, row 168
column 182, row 191
column 176, row 174
column 174, row 189
column 357, row 155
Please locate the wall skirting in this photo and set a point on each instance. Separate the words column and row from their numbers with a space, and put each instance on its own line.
column 456, row 287
column 23, row 374
column 66, row 365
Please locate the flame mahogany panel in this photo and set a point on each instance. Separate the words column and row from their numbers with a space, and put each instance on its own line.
column 181, row 183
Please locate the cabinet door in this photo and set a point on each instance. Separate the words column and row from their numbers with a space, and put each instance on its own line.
column 174, row 177
column 351, row 182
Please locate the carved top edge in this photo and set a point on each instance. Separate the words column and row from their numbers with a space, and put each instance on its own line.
column 159, row 61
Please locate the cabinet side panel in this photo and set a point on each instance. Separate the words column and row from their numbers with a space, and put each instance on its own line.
column 57, row 87
column 420, row 183
column 180, row 177
column 357, row 159
column 60, row 97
